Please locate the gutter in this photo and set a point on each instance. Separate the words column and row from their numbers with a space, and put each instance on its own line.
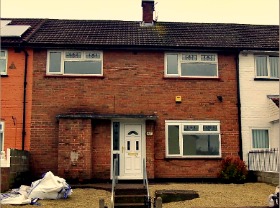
column 24, row 100
column 239, row 107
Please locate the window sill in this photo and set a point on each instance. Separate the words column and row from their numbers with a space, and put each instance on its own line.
column 266, row 79
column 192, row 78
column 73, row 76
column 192, row 158
column 4, row 75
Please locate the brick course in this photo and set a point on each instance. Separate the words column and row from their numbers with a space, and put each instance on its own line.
column 133, row 83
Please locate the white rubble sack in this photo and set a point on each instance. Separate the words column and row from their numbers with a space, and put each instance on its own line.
column 49, row 187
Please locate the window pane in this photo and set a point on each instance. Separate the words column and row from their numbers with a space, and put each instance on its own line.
column 261, row 65
column 172, row 64
column 210, row 128
column 191, row 127
column 2, row 54
column 82, row 67
column 3, row 68
column 189, row 57
column 92, row 55
column 199, row 69
column 201, row 145
column 55, row 62
column 1, row 141
column 173, row 140
column 208, row 57
column 73, row 54
column 116, row 135
column 274, row 66
column 260, row 138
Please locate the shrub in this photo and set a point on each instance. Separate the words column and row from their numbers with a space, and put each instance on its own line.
column 233, row 170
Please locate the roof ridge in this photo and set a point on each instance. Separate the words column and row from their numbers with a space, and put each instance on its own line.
column 36, row 28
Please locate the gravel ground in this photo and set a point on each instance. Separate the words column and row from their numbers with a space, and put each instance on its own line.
column 210, row 195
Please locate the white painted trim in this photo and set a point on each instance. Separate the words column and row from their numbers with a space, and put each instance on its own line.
column 5, row 160
column 83, row 58
column 181, row 123
column 143, row 146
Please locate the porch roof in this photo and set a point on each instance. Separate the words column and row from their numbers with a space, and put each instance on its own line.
column 275, row 99
column 105, row 116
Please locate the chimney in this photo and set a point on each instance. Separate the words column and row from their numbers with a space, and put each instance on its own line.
column 148, row 11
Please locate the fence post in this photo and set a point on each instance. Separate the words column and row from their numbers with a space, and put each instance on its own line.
column 159, row 202
column 101, row 203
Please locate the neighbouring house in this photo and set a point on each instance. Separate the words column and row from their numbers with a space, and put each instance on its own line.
column 16, row 69
column 259, row 93
column 160, row 93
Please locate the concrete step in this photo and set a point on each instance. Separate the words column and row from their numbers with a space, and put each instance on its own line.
column 130, row 205
column 130, row 198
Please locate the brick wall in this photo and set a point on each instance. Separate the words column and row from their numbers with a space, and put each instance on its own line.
column 18, row 173
column 74, row 148
column 133, row 83
column 12, row 99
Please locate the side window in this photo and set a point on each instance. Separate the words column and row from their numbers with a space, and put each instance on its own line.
column 260, row 138
column 3, row 62
column 202, row 65
column 75, row 63
column 1, row 136
column 267, row 66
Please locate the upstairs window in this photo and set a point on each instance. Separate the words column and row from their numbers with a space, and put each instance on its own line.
column 75, row 63
column 203, row 65
column 3, row 62
column 267, row 67
column 191, row 139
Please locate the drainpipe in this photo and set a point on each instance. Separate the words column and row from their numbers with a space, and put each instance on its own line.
column 24, row 99
column 239, row 107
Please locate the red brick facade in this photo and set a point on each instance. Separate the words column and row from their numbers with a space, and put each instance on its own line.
column 133, row 83
column 12, row 91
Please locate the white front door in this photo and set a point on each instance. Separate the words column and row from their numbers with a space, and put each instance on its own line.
column 132, row 149
column 128, row 145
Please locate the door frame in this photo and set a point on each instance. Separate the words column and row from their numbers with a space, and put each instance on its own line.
column 121, row 135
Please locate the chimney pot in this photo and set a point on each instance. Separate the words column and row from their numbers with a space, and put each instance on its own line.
column 148, row 11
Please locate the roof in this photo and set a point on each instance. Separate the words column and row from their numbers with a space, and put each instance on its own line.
column 15, row 41
column 124, row 34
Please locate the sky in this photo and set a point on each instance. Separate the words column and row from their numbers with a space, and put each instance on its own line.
column 201, row 11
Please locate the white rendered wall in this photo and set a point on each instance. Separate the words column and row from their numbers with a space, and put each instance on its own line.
column 256, row 108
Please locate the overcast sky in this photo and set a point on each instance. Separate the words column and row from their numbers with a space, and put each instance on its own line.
column 208, row 11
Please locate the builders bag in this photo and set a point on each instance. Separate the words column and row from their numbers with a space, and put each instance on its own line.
column 49, row 187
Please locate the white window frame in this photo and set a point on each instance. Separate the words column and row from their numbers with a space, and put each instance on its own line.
column 260, row 128
column 83, row 58
column 180, row 61
column 5, row 58
column 181, row 124
column 2, row 130
column 267, row 67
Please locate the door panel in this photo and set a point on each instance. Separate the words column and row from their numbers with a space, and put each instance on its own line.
column 133, row 150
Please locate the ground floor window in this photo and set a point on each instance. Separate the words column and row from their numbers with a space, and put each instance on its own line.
column 260, row 138
column 193, row 138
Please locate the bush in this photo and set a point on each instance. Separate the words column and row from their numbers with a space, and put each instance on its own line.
column 233, row 170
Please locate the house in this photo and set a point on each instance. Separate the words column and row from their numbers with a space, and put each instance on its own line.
column 259, row 93
column 158, row 94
